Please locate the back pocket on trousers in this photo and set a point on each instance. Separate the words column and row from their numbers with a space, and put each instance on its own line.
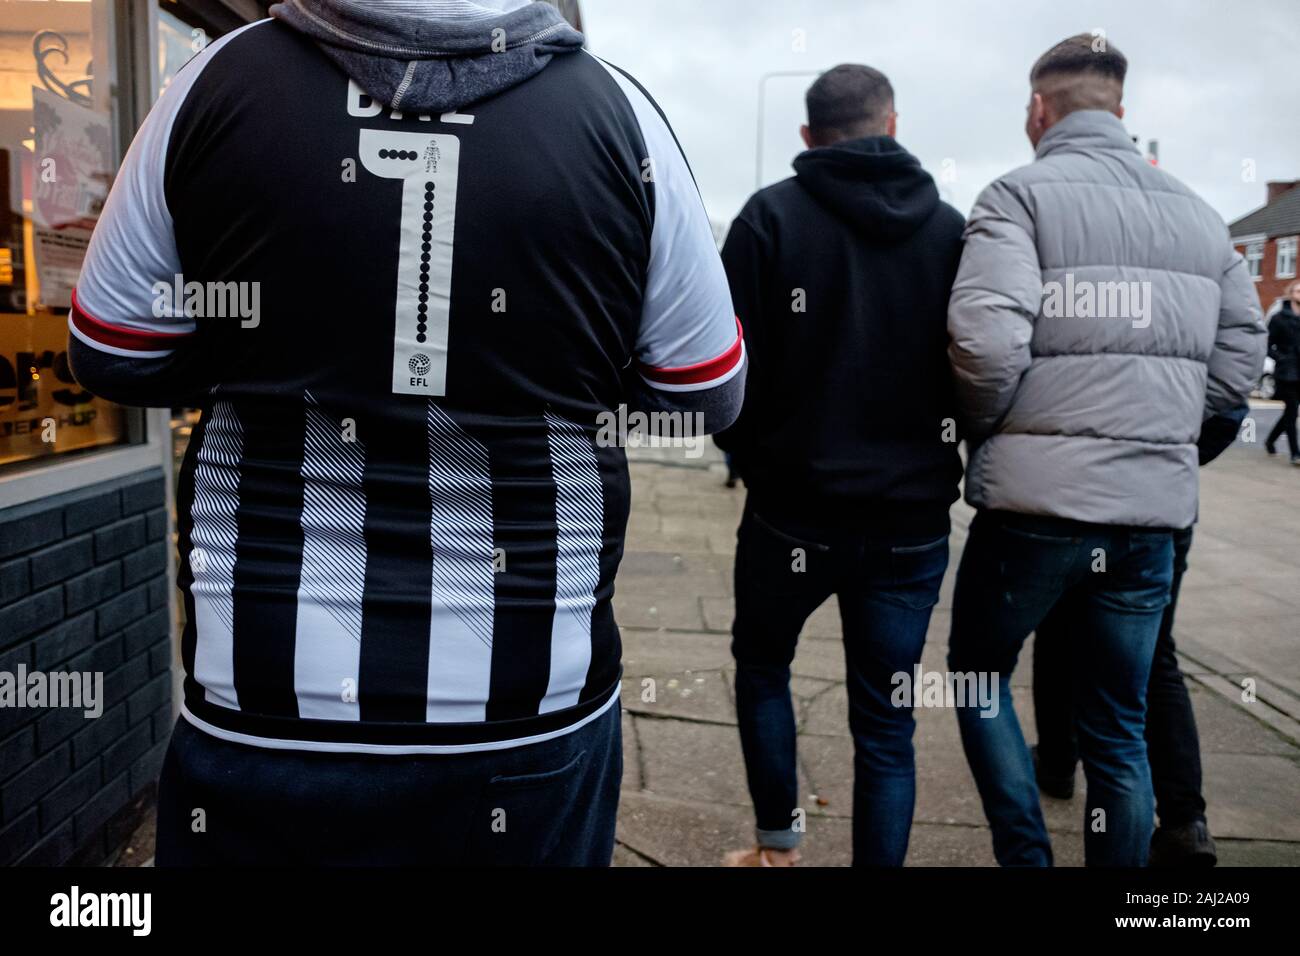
column 524, row 817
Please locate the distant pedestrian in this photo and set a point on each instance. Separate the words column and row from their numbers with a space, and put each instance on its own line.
column 847, row 446
column 1099, row 316
column 1284, row 348
column 733, row 476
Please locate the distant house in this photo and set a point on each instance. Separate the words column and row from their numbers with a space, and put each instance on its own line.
column 1268, row 238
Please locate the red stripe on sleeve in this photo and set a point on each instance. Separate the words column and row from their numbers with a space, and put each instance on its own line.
column 700, row 372
column 134, row 340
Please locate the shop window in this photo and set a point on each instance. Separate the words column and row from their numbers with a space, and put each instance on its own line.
column 57, row 159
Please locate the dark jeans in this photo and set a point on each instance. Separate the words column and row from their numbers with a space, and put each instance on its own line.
column 548, row 803
column 887, row 586
column 1288, row 393
column 1173, row 745
column 1014, row 570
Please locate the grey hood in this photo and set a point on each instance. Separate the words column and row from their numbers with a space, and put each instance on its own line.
column 432, row 56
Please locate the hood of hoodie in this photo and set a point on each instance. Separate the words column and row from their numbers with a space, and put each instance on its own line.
column 873, row 184
column 433, row 56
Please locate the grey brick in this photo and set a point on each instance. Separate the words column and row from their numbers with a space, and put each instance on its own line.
column 119, row 538
column 92, row 512
column 68, row 797
column 24, row 789
column 118, row 612
column 159, row 589
column 18, row 654
column 93, row 587
column 160, row 657
column 113, row 797
column 101, row 733
column 64, row 641
column 57, row 724
column 17, row 751
column 146, row 769
column 148, row 699
column 156, row 524
column 11, row 718
column 53, row 850
column 62, row 561
column 19, row 836
column 163, row 723
column 124, row 752
column 144, row 633
column 28, row 615
column 104, row 657
column 123, row 824
column 29, row 531
column 147, row 563
column 14, row 580
column 143, row 495
column 126, row 679
column 89, row 853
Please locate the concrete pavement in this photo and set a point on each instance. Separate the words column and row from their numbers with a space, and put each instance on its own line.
column 684, row 797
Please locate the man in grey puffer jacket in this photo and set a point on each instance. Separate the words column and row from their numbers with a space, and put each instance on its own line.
column 1100, row 314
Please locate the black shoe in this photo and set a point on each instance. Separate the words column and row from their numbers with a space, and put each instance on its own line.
column 1188, row 845
column 1270, row 448
column 1295, row 459
column 1060, row 786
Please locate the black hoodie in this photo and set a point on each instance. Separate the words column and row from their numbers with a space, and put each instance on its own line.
column 840, row 276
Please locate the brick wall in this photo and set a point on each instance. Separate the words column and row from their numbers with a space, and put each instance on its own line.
column 83, row 587
column 1269, row 286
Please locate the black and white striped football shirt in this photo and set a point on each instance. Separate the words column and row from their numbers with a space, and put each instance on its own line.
column 398, row 532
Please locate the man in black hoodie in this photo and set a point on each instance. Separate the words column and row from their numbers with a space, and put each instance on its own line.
column 847, row 444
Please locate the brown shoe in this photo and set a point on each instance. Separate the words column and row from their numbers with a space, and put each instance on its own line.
column 761, row 856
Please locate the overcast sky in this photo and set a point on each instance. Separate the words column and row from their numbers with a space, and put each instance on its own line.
column 1214, row 81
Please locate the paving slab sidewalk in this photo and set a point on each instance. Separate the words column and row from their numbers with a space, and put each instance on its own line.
column 684, row 799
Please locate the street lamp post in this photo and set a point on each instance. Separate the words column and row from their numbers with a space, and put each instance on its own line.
column 762, row 101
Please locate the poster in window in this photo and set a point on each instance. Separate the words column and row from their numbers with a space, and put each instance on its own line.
column 70, row 179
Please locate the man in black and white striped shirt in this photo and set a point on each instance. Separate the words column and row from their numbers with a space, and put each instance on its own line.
column 404, row 256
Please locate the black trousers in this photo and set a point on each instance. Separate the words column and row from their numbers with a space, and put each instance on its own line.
column 1173, row 744
column 1289, row 393
column 550, row 803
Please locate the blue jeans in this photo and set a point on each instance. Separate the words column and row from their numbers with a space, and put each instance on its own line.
column 550, row 803
column 1173, row 743
column 1015, row 568
column 887, row 584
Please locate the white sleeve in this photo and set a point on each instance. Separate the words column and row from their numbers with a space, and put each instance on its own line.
column 124, row 303
column 690, row 338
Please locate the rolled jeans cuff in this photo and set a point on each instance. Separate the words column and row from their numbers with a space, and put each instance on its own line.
column 778, row 839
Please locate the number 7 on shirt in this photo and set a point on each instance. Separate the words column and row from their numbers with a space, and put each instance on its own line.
column 427, row 164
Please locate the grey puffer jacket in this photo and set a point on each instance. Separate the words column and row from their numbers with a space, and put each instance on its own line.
column 1100, row 314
